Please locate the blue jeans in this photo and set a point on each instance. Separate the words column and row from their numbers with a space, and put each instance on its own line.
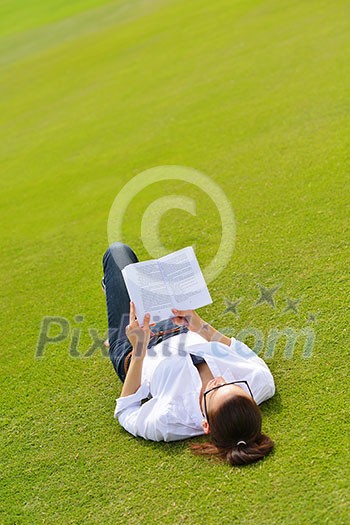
column 117, row 256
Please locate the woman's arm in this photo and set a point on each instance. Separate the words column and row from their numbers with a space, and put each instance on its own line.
column 191, row 319
column 139, row 339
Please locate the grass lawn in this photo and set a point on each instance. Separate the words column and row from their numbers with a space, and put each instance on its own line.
column 252, row 93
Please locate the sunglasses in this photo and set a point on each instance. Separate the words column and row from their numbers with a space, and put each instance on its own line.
column 220, row 386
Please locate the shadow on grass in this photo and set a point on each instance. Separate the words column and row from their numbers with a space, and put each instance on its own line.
column 273, row 405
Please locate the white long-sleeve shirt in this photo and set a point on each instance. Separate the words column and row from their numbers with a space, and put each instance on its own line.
column 173, row 385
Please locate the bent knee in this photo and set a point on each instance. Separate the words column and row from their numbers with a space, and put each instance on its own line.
column 116, row 247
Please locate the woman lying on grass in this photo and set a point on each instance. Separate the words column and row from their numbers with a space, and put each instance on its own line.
column 182, row 378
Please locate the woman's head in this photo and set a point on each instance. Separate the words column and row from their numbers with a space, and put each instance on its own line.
column 233, row 420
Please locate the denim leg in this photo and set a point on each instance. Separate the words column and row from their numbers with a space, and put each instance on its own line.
column 117, row 256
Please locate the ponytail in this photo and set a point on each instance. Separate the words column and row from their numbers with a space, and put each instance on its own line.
column 235, row 430
column 237, row 455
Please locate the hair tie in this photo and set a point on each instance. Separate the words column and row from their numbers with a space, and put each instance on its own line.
column 241, row 443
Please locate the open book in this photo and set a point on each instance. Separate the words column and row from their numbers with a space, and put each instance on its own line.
column 173, row 281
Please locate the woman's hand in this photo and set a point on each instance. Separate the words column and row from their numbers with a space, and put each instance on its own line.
column 138, row 336
column 191, row 319
column 188, row 318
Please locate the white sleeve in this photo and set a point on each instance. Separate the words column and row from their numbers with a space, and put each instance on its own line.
column 147, row 420
column 260, row 377
column 134, row 400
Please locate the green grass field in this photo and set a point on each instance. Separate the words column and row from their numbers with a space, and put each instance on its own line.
column 253, row 93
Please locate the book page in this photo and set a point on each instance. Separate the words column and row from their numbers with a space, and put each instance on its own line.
column 148, row 291
column 185, row 280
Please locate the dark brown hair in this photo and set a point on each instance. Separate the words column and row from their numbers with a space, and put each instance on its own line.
column 237, row 419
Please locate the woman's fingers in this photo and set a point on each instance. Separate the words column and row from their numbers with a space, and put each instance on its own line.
column 139, row 335
column 132, row 312
column 178, row 312
column 133, row 317
column 181, row 313
column 146, row 320
column 188, row 318
column 182, row 317
column 182, row 321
